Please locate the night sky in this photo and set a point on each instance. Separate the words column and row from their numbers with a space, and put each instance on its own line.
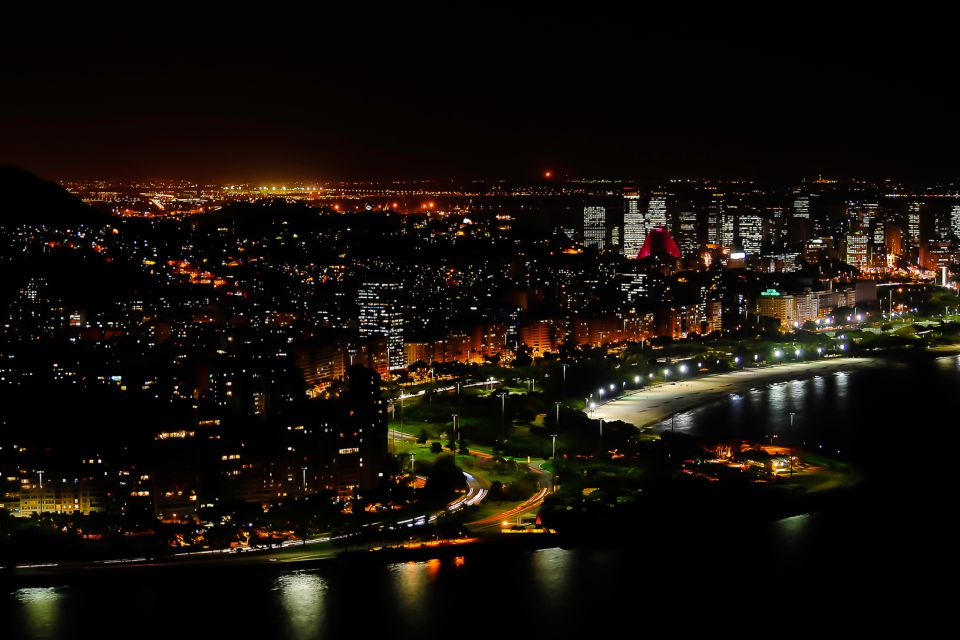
column 477, row 99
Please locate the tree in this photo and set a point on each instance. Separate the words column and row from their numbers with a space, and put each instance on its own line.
column 445, row 476
column 423, row 436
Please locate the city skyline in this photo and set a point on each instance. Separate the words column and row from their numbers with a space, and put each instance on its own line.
column 540, row 325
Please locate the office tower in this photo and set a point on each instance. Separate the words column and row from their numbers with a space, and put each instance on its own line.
column 687, row 238
column 750, row 231
column 955, row 220
column 381, row 315
column 857, row 248
column 595, row 227
column 801, row 207
column 615, row 236
column 728, row 226
column 715, row 212
column 878, row 247
column 779, row 227
column 656, row 211
column 861, row 215
column 634, row 227
column 913, row 226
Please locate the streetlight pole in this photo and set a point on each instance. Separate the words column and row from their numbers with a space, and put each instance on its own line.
column 455, row 435
column 792, row 413
column 304, row 469
column 558, row 411
column 553, row 458
column 503, row 413
column 601, row 430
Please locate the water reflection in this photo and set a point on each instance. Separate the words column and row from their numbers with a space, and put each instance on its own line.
column 41, row 608
column 551, row 569
column 412, row 582
column 303, row 597
column 792, row 531
column 843, row 380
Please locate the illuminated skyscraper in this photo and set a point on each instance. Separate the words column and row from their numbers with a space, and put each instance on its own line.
column 634, row 227
column 381, row 315
column 955, row 220
column 801, row 207
column 595, row 227
column 857, row 249
column 687, row 238
column 656, row 211
column 750, row 231
column 715, row 218
column 728, row 226
column 913, row 224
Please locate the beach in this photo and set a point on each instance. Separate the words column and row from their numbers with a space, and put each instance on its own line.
column 655, row 403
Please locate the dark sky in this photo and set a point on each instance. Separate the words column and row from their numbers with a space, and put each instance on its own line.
column 478, row 98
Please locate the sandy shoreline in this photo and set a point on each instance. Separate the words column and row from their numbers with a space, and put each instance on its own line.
column 650, row 405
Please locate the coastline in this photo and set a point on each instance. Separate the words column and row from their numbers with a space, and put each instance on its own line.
column 651, row 405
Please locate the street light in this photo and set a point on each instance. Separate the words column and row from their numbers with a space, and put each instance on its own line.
column 503, row 405
column 553, row 458
column 790, row 451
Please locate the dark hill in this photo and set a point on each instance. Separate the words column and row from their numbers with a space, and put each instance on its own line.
column 26, row 198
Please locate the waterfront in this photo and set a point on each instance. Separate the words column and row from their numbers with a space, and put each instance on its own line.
column 880, row 566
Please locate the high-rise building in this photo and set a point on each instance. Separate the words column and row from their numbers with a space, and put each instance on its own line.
column 955, row 220
column 715, row 214
column 750, row 232
column 656, row 211
column 801, row 207
column 356, row 437
column 634, row 228
column 381, row 315
column 728, row 226
column 857, row 249
column 687, row 238
column 779, row 228
column 913, row 228
column 595, row 226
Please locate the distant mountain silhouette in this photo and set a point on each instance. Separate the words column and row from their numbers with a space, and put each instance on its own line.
column 26, row 198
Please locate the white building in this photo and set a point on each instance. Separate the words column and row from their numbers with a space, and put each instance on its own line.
column 381, row 315
column 595, row 227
